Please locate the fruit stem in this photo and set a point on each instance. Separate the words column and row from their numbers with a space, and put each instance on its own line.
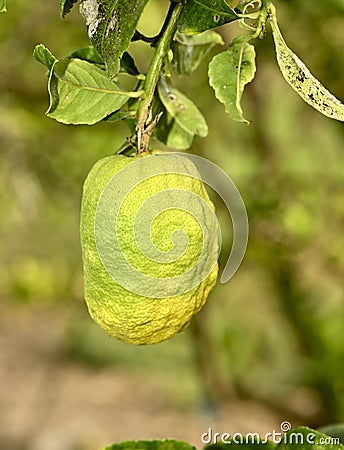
column 145, row 123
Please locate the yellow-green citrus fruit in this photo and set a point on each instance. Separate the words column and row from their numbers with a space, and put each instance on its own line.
column 149, row 239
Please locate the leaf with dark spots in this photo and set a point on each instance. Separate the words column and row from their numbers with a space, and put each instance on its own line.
column 202, row 15
column 298, row 76
column 111, row 25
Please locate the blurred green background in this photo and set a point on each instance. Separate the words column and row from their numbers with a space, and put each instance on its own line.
column 268, row 346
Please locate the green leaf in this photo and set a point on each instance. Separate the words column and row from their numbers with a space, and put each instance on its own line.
column 229, row 72
column 207, row 37
column 44, row 56
column 303, row 438
column 171, row 133
column 201, row 15
column 246, row 442
column 298, row 76
column 167, row 444
column 183, row 110
column 88, row 53
column 128, row 64
column 334, row 430
column 119, row 115
column 81, row 93
column 167, row 129
column 91, row 55
column 111, row 24
column 126, row 149
column 66, row 6
column 188, row 51
column 3, row 6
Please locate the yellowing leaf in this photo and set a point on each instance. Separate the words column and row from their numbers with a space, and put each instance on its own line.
column 300, row 78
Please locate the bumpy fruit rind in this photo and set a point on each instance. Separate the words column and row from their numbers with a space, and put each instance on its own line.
column 123, row 314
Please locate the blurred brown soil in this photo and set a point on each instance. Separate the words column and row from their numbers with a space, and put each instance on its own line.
column 49, row 402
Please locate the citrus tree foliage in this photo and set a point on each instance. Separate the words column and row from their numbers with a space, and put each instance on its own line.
column 86, row 86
